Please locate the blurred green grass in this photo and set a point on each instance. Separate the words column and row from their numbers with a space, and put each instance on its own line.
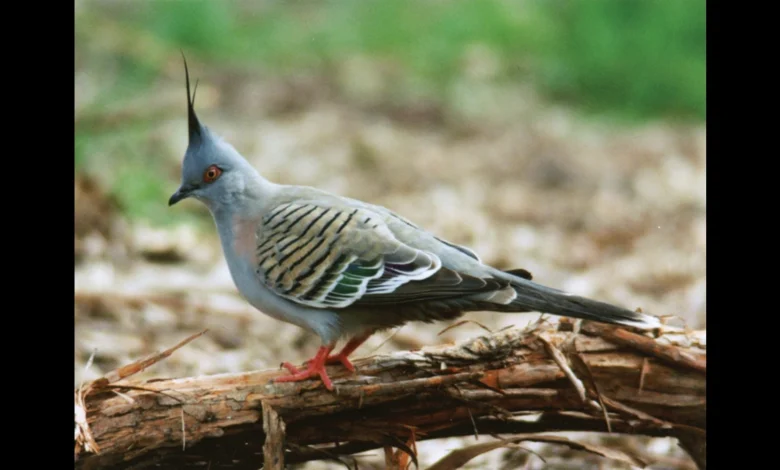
column 631, row 61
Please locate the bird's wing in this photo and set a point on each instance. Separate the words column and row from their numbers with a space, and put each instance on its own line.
column 327, row 255
column 463, row 249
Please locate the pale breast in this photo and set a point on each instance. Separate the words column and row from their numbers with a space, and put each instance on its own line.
column 245, row 238
column 243, row 265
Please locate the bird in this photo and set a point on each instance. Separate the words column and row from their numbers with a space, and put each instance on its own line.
column 342, row 268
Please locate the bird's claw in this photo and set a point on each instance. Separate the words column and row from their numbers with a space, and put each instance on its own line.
column 315, row 367
column 297, row 375
column 290, row 367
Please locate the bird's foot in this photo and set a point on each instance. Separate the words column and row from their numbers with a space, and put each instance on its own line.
column 315, row 367
column 349, row 348
column 306, row 374
column 342, row 359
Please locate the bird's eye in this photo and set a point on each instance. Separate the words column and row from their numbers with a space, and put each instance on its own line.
column 211, row 174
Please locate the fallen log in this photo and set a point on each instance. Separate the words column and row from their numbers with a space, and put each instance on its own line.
column 600, row 379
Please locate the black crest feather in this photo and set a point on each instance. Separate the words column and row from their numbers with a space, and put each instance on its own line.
column 193, row 123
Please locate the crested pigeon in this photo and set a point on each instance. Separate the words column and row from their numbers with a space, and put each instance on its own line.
column 343, row 268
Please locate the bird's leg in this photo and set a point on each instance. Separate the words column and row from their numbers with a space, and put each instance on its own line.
column 315, row 367
column 348, row 348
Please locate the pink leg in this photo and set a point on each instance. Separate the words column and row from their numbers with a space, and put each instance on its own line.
column 348, row 349
column 316, row 367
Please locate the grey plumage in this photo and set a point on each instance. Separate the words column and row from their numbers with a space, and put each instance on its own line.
column 341, row 267
column 333, row 253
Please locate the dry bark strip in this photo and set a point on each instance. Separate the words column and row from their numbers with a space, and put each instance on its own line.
column 274, row 429
column 636, row 384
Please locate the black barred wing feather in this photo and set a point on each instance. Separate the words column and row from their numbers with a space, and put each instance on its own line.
column 330, row 257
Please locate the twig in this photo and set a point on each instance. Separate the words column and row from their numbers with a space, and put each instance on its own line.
column 141, row 364
column 616, row 405
column 669, row 354
column 461, row 323
column 561, row 361
column 275, row 429
column 183, row 432
column 373, row 351
column 594, row 387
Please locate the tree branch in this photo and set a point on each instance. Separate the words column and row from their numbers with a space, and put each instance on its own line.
column 625, row 381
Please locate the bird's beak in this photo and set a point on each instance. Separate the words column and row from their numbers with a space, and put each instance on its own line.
column 181, row 193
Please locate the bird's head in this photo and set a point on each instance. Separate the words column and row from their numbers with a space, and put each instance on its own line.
column 212, row 172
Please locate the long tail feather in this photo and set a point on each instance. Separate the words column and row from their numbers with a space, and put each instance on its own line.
column 535, row 297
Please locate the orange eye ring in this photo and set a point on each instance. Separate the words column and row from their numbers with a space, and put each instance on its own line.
column 211, row 174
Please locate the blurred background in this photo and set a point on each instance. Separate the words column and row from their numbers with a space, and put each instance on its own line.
column 563, row 137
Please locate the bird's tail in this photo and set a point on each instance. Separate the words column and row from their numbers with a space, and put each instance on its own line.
column 538, row 298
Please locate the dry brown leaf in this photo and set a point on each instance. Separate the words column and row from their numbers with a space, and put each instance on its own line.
column 458, row 458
